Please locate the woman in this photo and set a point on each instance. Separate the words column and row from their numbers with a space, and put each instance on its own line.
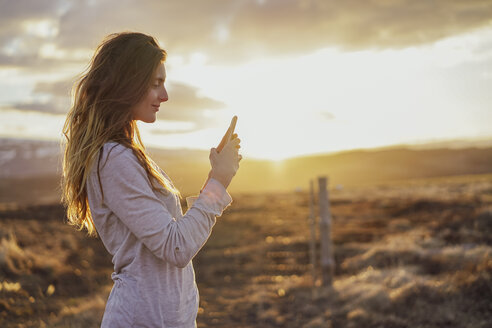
column 113, row 189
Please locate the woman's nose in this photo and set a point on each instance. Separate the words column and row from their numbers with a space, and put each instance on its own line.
column 163, row 95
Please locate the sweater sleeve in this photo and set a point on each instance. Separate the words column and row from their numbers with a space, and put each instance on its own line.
column 129, row 195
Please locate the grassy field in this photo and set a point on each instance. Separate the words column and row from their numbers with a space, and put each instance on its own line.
column 411, row 253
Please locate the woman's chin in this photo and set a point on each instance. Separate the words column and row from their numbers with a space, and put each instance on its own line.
column 149, row 119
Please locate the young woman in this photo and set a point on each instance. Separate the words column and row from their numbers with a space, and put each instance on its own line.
column 112, row 188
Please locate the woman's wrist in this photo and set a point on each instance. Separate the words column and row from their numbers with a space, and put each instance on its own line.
column 220, row 178
column 205, row 184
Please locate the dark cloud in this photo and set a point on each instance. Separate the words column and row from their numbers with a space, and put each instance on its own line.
column 240, row 29
column 35, row 64
column 300, row 26
column 57, row 89
column 49, row 97
column 277, row 26
column 185, row 97
column 52, row 106
column 18, row 43
column 173, row 22
column 28, row 9
column 19, row 60
column 184, row 104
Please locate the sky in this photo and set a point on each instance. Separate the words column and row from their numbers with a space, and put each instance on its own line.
column 303, row 77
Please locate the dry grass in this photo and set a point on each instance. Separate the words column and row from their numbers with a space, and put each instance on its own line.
column 53, row 268
column 412, row 254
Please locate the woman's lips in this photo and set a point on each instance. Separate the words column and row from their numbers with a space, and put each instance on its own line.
column 156, row 107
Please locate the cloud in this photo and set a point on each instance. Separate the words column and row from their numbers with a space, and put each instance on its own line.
column 303, row 26
column 52, row 106
column 58, row 89
column 28, row 9
column 48, row 97
column 24, row 26
column 184, row 104
column 231, row 31
column 239, row 29
column 187, row 105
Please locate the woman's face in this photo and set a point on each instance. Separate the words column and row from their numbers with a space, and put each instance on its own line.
column 147, row 108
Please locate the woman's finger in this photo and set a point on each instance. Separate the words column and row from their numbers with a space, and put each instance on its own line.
column 235, row 141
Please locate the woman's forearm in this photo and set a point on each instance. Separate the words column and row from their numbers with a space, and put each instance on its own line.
column 205, row 184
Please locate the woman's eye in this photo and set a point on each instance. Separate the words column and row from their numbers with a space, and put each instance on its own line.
column 158, row 83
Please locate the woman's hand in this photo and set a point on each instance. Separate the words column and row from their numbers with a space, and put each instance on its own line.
column 226, row 163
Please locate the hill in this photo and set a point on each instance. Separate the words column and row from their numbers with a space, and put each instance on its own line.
column 30, row 170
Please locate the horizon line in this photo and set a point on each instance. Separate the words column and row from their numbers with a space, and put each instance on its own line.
column 464, row 142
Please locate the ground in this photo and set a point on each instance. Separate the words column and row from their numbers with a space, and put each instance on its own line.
column 408, row 254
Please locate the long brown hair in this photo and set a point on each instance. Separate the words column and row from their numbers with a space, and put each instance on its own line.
column 117, row 78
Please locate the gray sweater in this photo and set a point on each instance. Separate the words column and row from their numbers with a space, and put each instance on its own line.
column 151, row 241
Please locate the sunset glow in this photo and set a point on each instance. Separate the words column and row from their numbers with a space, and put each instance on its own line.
column 330, row 92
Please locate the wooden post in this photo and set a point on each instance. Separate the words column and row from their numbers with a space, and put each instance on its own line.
column 312, row 241
column 327, row 262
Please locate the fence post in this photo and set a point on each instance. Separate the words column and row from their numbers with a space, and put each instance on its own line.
column 327, row 262
column 312, row 241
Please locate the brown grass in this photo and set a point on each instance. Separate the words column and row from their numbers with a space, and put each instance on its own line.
column 412, row 254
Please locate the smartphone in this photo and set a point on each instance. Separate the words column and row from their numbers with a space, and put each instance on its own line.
column 223, row 142
column 228, row 134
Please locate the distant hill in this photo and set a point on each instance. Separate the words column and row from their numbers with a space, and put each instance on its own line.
column 363, row 167
column 30, row 170
column 21, row 158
